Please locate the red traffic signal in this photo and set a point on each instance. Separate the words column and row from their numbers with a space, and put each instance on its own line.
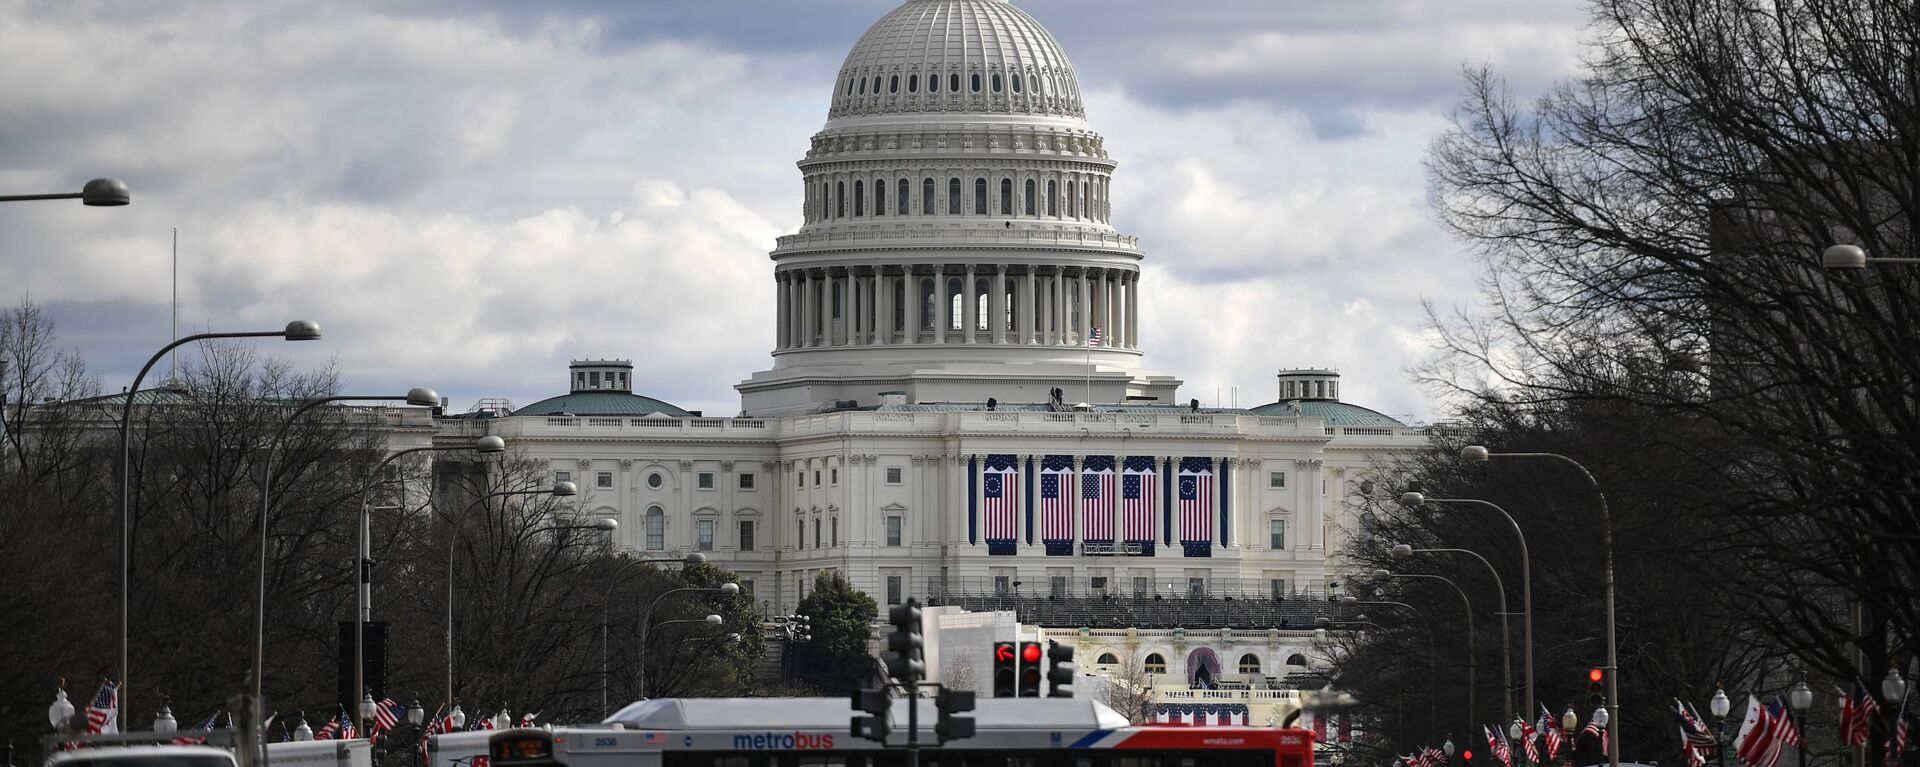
column 1003, row 652
column 1467, row 756
column 1030, row 652
column 1595, row 675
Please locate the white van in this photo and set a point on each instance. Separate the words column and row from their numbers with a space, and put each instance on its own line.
column 321, row 753
column 144, row 756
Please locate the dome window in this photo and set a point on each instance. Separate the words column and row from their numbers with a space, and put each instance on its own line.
column 1016, row 83
column 863, row 86
column 876, row 85
column 913, row 83
column 893, row 85
column 953, row 83
column 976, row 82
column 933, row 83
column 996, row 82
column 849, row 86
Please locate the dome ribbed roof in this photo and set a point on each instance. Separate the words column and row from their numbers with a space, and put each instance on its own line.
column 1001, row 60
column 1333, row 412
column 602, row 403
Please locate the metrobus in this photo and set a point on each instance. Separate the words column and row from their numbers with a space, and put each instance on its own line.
column 814, row 732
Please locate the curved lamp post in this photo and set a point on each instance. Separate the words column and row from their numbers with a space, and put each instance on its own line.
column 606, row 601
column 1526, row 581
column 1433, row 658
column 1853, row 257
column 298, row 330
column 102, row 192
column 419, row 396
column 1480, row 454
column 363, row 589
column 646, row 617
column 1473, row 662
column 559, row 490
column 1506, row 645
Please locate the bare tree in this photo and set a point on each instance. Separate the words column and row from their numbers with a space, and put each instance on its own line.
column 1129, row 688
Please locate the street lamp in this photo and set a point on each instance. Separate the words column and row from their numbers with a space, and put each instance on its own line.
column 367, row 707
column 458, row 717
column 1719, row 707
column 1893, row 688
column 416, row 714
column 1853, row 257
column 1480, row 454
column 1433, row 658
column 60, row 714
column 1800, row 698
column 1473, row 662
column 363, row 593
column 1447, row 747
column 101, row 192
column 1569, row 721
column 421, row 396
column 1403, row 551
column 298, row 330
column 606, row 601
column 303, row 732
column 502, row 720
column 1415, row 499
column 164, row 721
column 646, row 617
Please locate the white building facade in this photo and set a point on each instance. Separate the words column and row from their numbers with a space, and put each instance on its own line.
column 956, row 405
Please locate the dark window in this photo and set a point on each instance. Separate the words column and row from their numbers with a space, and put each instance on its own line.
column 876, row 85
column 979, row 197
column 849, row 86
column 1016, row 83
column 746, row 482
column 863, row 86
column 905, row 198
column 833, row 309
column 976, row 82
column 953, row 197
column 654, row 481
column 893, row 85
column 926, row 197
column 859, row 198
column 996, row 82
column 933, row 83
column 1053, row 198
column 746, row 533
column 1006, row 197
column 879, row 198
column 953, row 83
column 1070, row 207
column 840, row 199
column 704, row 480
column 1028, row 202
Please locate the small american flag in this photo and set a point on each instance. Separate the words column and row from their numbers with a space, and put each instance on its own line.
column 348, row 730
column 1527, row 740
column 1096, row 499
column 1555, row 736
column 1498, row 745
column 103, row 713
column 526, row 720
column 1093, row 338
column 1897, row 740
column 328, row 730
column 1856, row 714
column 386, row 715
column 654, row 738
column 206, row 725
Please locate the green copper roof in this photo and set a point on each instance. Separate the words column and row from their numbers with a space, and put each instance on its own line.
column 1334, row 413
column 602, row 403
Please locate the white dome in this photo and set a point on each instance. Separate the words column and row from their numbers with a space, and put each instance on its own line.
column 968, row 56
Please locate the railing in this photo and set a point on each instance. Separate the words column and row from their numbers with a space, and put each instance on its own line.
column 1111, row 549
column 993, row 235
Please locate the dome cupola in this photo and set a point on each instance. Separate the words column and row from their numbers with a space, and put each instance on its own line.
column 961, row 56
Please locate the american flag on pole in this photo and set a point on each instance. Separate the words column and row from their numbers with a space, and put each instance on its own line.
column 1856, row 715
column 1497, row 744
column 386, row 715
column 1695, row 740
column 1138, row 487
column 1790, row 729
column 206, row 725
column 348, row 730
column 103, row 713
column 1098, row 486
column 1001, row 488
column 1196, row 505
column 1093, row 338
column 1527, row 739
column 1897, row 740
column 1551, row 729
column 1056, row 503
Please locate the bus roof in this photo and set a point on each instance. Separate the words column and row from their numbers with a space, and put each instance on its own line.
column 834, row 713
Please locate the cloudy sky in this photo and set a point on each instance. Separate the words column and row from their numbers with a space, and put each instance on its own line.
column 468, row 194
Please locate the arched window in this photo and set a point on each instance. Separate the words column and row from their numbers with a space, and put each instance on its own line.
column 933, row 83
column 1249, row 664
column 956, row 302
column 876, row 85
column 980, row 309
column 1296, row 659
column 799, row 533
column 1107, row 659
column 1016, row 82
column 905, row 198
column 953, row 197
column 840, row 199
column 1029, row 201
column 926, row 304
column 913, row 83
column 1070, row 208
column 1053, row 198
column 879, row 198
column 979, row 197
column 1008, row 304
column 953, row 82
column 1006, row 197
column 859, row 198
column 926, row 197
column 899, row 305
column 835, row 309
column 996, row 82
column 863, row 86
column 893, row 85
column 816, row 520
column 656, row 529
column 849, row 86
column 1155, row 664
column 976, row 82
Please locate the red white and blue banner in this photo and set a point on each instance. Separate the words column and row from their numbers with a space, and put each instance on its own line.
column 1056, row 504
column 1000, row 493
column 1196, row 506
column 1139, row 485
column 1098, row 486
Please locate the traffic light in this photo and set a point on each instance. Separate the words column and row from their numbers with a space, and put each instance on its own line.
column 1594, row 691
column 949, row 702
column 1060, row 670
column 1466, row 757
column 1030, row 655
column 907, row 665
column 875, row 703
column 1006, row 669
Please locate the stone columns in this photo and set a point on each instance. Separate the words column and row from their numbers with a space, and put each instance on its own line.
column 969, row 308
column 847, row 321
column 1086, row 306
column 942, row 305
column 997, row 305
column 806, row 307
column 914, row 306
column 1060, row 312
column 882, row 306
column 780, row 295
column 1023, row 327
column 1133, row 312
column 1098, row 305
column 1123, row 316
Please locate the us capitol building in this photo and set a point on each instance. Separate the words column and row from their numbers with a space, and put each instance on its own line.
column 956, row 408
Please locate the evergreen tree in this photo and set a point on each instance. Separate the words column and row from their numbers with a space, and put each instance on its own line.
column 842, row 617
